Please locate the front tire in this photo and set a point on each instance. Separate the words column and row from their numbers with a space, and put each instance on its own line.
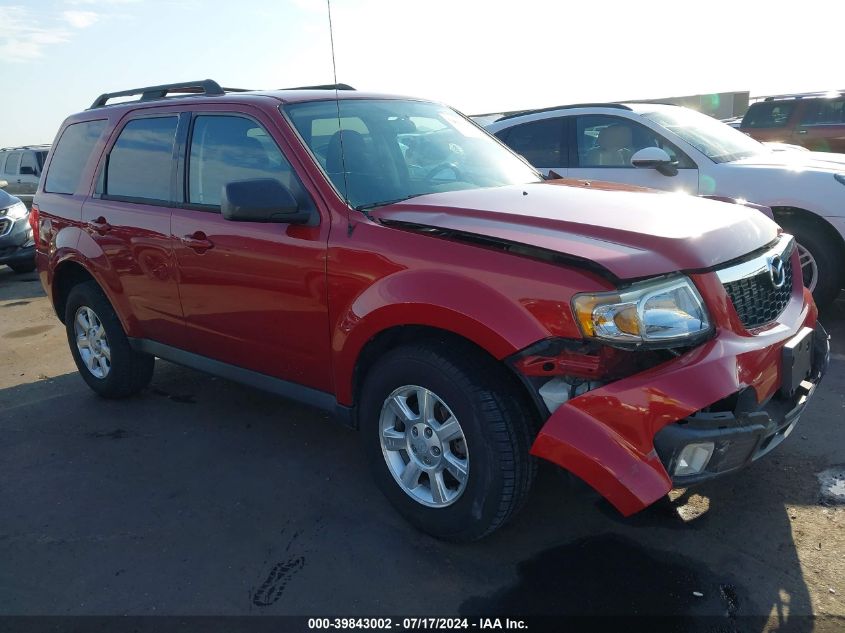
column 447, row 436
column 100, row 347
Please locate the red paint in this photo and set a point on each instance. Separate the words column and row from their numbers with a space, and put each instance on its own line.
column 302, row 302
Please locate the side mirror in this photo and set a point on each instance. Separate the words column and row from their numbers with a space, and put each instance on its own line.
column 655, row 158
column 261, row 200
column 4, row 184
column 26, row 170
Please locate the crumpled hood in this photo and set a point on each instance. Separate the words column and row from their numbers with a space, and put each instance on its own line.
column 630, row 231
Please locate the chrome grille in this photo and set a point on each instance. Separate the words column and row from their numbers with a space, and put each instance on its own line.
column 753, row 287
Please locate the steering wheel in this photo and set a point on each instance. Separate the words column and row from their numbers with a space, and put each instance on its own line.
column 441, row 167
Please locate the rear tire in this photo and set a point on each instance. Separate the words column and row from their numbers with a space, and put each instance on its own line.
column 100, row 347
column 824, row 254
column 492, row 440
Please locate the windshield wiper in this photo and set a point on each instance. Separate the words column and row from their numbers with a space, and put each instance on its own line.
column 373, row 205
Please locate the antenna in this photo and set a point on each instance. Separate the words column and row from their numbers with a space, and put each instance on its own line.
column 337, row 103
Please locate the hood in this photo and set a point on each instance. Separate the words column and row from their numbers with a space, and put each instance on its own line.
column 6, row 200
column 628, row 231
column 797, row 161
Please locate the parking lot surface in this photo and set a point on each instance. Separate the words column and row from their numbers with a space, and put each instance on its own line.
column 203, row 497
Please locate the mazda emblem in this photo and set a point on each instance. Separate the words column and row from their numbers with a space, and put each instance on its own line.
column 777, row 271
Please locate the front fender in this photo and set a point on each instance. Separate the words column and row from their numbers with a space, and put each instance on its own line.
column 436, row 299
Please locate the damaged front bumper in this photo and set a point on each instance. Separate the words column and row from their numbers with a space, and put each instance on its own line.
column 625, row 438
column 741, row 435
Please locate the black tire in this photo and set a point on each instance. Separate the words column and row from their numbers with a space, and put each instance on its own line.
column 827, row 253
column 19, row 269
column 496, row 423
column 130, row 371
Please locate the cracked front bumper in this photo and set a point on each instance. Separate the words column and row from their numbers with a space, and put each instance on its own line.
column 609, row 436
column 745, row 433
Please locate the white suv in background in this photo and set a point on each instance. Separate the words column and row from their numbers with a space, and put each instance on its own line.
column 677, row 149
column 21, row 168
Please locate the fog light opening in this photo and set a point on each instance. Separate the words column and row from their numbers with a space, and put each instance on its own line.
column 693, row 458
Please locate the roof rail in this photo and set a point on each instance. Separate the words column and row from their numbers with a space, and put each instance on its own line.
column 618, row 106
column 151, row 93
column 802, row 95
column 38, row 146
column 322, row 87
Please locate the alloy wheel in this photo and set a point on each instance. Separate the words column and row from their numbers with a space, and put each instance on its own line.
column 92, row 342
column 424, row 446
column 809, row 268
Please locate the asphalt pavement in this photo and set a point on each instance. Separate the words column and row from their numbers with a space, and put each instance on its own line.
column 204, row 497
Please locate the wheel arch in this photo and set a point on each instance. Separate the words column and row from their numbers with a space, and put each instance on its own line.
column 797, row 213
column 393, row 337
column 69, row 273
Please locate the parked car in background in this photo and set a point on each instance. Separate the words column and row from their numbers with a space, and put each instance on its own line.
column 21, row 168
column 388, row 260
column 813, row 120
column 17, row 248
column 677, row 149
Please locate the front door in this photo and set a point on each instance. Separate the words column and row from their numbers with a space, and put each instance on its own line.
column 253, row 293
column 603, row 147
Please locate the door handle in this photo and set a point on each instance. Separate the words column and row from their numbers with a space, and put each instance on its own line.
column 198, row 242
column 100, row 226
column 19, row 181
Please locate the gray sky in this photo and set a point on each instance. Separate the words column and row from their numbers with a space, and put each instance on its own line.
column 56, row 56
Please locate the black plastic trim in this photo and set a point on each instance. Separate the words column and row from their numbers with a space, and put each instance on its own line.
column 291, row 390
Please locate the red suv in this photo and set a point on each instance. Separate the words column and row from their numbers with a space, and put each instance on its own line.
column 387, row 260
column 813, row 120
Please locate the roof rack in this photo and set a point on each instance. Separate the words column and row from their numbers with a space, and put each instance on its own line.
column 803, row 95
column 150, row 93
column 618, row 106
column 38, row 146
column 322, row 87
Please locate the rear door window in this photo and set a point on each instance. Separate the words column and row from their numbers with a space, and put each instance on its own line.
column 141, row 162
column 539, row 142
column 71, row 155
column 824, row 112
column 28, row 164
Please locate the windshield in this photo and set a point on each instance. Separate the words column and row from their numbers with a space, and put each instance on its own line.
column 718, row 141
column 386, row 150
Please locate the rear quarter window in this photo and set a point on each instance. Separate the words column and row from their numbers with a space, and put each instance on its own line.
column 71, row 155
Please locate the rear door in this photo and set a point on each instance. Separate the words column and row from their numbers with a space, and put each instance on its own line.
column 28, row 174
column 541, row 143
column 601, row 147
column 128, row 218
column 822, row 125
column 253, row 294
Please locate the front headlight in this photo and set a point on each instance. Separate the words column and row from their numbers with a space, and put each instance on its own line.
column 664, row 312
column 17, row 211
